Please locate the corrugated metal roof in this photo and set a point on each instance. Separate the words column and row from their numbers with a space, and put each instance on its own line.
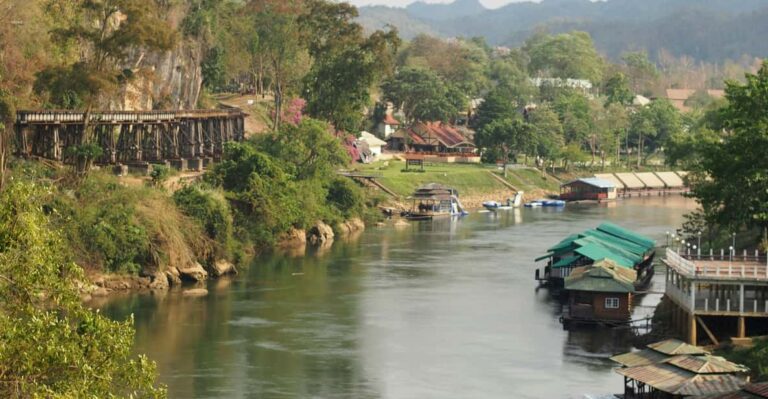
column 594, row 181
column 611, row 178
column 670, row 179
column 604, row 276
column 598, row 252
column 707, row 384
column 676, row 347
column 674, row 380
column 758, row 389
column 650, row 180
column 611, row 246
column 567, row 242
column 627, row 245
column 567, row 261
column 630, row 180
column 749, row 391
column 639, row 358
column 706, row 364
column 623, row 233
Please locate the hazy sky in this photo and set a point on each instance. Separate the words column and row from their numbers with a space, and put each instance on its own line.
column 402, row 3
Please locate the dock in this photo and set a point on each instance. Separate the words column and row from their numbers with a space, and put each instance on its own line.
column 727, row 290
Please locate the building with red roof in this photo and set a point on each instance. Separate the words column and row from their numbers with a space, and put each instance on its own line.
column 433, row 138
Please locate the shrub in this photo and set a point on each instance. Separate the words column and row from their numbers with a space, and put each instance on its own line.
column 346, row 196
column 212, row 211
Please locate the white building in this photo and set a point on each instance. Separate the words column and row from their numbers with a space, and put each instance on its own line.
column 375, row 144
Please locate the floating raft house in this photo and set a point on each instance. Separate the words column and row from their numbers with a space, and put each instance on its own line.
column 608, row 241
column 674, row 369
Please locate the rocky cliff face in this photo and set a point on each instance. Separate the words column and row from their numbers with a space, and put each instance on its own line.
column 165, row 80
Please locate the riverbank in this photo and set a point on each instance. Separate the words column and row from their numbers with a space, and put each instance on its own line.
column 366, row 313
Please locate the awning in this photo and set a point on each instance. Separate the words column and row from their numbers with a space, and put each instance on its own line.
column 597, row 253
column 543, row 257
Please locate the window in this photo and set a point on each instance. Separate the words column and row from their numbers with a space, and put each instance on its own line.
column 611, row 303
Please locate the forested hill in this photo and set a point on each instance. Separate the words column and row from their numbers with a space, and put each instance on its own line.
column 707, row 30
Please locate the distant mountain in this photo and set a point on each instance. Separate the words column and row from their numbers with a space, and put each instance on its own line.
column 443, row 12
column 379, row 17
column 708, row 30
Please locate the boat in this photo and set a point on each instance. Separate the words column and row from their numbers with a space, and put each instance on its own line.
column 434, row 200
column 511, row 203
column 534, row 204
column 554, row 203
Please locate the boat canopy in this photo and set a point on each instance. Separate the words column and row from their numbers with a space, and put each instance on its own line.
column 623, row 233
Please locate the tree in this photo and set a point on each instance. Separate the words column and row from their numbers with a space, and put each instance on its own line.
column 423, row 96
column 617, row 90
column 346, row 64
column 505, row 137
column 652, row 126
column 731, row 181
column 50, row 344
column 462, row 62
column 497, row 106
column 105, row 32
column 279, row 38
column 642, row 72
column 567, row 56
column 308, row 150
column 548, row 133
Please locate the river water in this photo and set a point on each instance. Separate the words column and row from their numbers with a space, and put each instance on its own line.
column 443, row 309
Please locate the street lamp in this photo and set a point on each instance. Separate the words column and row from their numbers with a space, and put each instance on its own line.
column 733, row 245
column 699, row 244
column 730, row 255
column 667, row 238
column 698, row 251
column 688, row 251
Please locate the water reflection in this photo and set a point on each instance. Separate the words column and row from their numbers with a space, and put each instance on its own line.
column 447, row 309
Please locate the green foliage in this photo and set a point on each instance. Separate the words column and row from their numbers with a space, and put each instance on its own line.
column 346, row 64
column 266, row 200
column 346, row 196
column 109, row 228
column 423, row 96
column 566, row 56
column 212, row 211
column 213, row 69
column 755, row 358
column 548, row 131
column 732, row 184
column 159, row 174
column 52, row 346
column 617, row 90
column 307, row 151
column 497, row 106
column 506, row 137
column 104, row 45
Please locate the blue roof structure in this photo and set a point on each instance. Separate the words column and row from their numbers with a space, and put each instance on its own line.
column 593, row 181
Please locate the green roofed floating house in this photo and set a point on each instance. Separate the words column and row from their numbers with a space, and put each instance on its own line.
column 624, row 248
column 600, row 293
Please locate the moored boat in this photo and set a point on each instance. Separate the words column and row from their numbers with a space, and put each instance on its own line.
column 434, row 200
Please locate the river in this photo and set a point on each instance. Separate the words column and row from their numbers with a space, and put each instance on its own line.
column 444, row 309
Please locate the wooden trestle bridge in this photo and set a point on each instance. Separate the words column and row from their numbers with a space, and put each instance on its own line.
column 131, row 137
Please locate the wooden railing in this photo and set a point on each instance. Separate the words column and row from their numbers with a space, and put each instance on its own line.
column 68, row 116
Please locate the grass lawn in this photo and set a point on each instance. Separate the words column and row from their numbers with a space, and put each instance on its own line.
column 469, row 179
column 529, row 180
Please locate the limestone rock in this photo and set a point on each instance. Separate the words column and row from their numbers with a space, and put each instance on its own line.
column 159, row 282
column 223, row 267
column 293, row 238
column 320, row 233
column 195, row 272
column 196, row 292
column 173, row 276
column 351, row 226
